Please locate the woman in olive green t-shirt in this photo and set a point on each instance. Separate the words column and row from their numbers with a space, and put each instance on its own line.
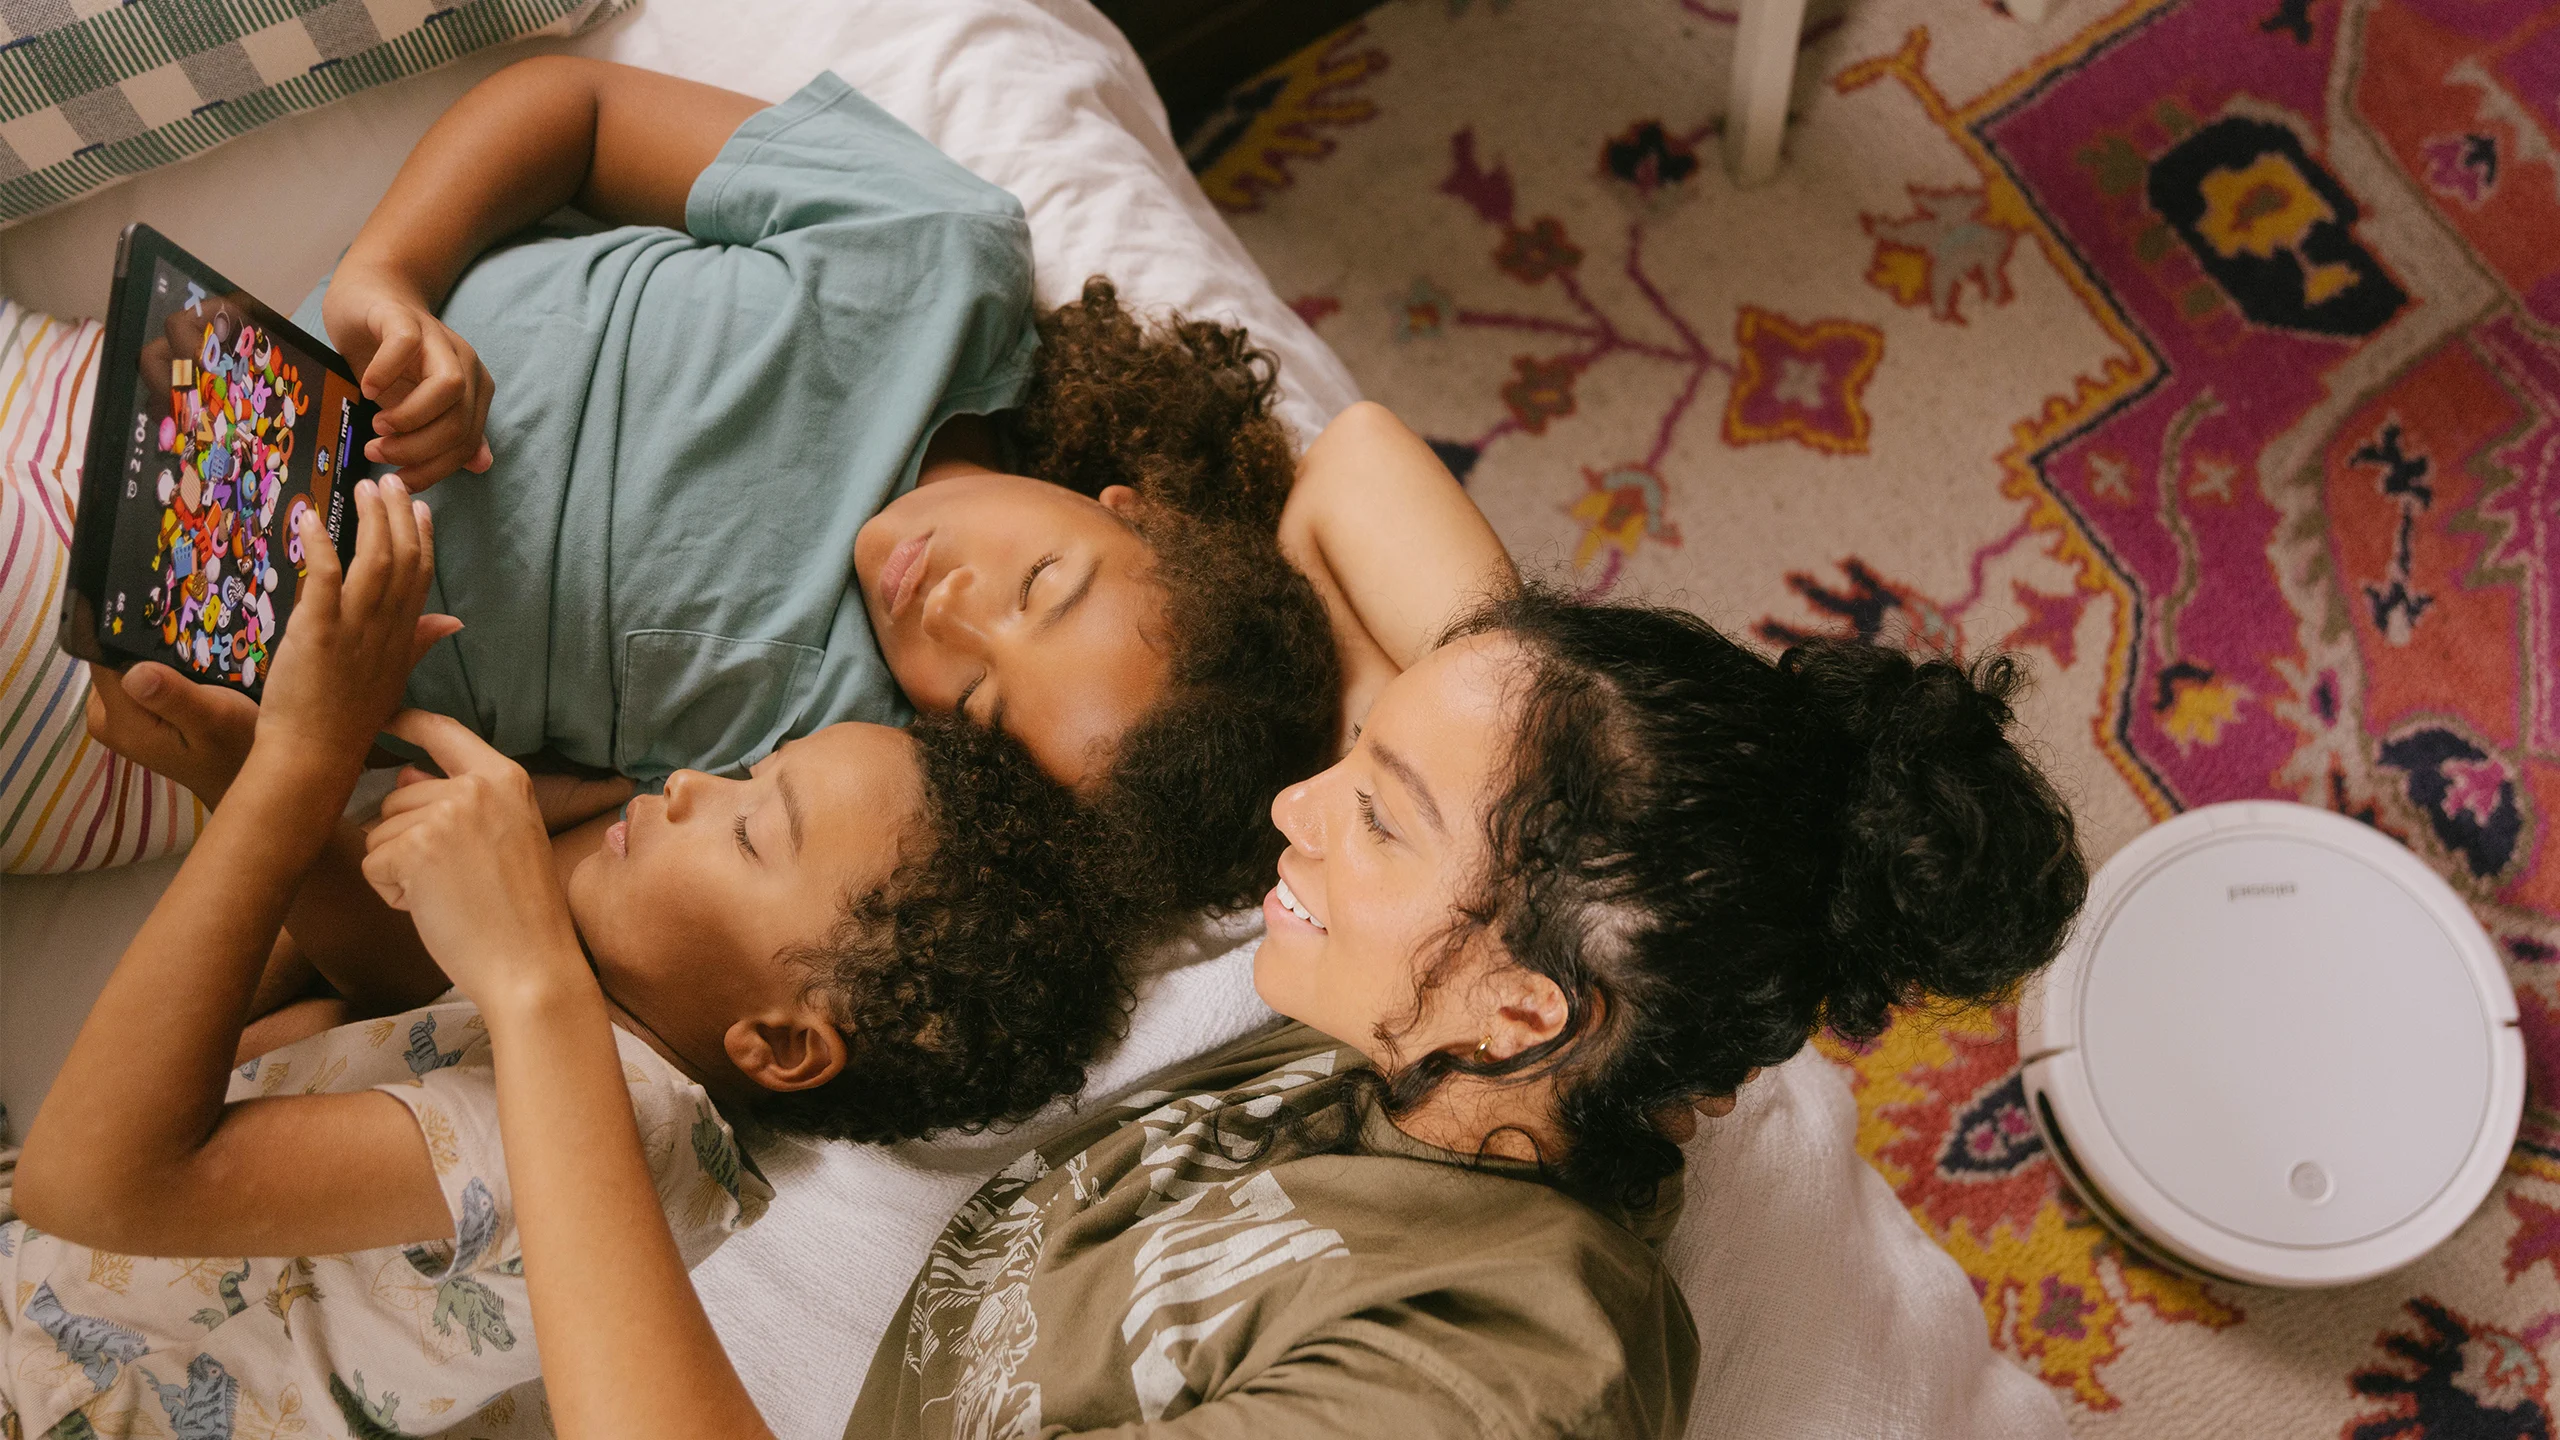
column 1586, row 868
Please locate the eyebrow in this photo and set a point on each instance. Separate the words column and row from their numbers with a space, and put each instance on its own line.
column 790, row 808
column 1074, row 597
column 1403, row 770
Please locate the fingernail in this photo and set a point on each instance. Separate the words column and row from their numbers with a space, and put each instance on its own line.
column 393, row 490
column 142, row 684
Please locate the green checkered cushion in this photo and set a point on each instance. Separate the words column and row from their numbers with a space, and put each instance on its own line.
column 92, row 91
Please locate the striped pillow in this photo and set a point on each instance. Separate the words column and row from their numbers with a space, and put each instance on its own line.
column 92, row 92
column 66, row 803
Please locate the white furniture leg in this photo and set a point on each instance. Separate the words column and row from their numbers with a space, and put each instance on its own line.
column 1764, row 76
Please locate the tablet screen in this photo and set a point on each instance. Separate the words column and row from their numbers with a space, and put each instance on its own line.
column 235, row 432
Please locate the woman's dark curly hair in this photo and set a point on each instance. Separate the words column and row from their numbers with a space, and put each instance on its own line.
column 1181, row 413
column 1712, row 855
column 976, row 984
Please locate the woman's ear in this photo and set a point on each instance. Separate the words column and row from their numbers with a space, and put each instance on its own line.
column 798, row 1051
column 1120, row 500
column 1532, row 1012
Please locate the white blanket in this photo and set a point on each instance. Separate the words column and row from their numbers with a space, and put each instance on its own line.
column 1822, row 1309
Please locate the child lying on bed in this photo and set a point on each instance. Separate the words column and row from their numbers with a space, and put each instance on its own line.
column 869, row 935
column 749, row 458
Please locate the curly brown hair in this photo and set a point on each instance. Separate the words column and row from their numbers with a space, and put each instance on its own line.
column 976, row 984
column 1180, row 412
column 1713, row 854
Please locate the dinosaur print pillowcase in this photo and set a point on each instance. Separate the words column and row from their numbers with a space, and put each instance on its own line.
column 397, row 1341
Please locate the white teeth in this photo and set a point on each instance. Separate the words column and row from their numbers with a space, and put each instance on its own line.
column 1289, row 902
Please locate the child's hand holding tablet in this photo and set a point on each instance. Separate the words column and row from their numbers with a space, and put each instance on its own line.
column 356, row 634
column 200, row 735
column 429, row 381
column 218, row 426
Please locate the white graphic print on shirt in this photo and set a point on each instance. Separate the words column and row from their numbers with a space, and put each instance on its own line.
column 1210, row 1236
column 1196, row 1240
column 980, row 1272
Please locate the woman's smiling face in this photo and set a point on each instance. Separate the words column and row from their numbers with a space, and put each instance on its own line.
column 1021, row 605
column 1381, row 847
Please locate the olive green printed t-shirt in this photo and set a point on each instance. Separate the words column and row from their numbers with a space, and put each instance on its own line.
column 688, row 428
column 1196, row 1263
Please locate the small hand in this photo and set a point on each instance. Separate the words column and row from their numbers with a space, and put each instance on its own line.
column 429, row 381
column 566, row 801
column 354, row 637
column 468, row 857
column 1680, row 1122
column 197, row 735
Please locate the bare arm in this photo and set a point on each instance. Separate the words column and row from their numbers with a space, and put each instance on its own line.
column 337, row 928
column 201, row 737
column 626, row 1349
column 367, row 951
column 606, row 1281
column 623, row 145
column 135, row 1149
column 1392, row 543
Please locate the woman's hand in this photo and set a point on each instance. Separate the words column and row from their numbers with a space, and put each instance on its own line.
column 354, row 637
column 1679, row 1123
column 468, row 857
column 429, row 381
column 197, row 735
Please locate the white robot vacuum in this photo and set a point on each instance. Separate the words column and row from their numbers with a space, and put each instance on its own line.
column 2277, row 1049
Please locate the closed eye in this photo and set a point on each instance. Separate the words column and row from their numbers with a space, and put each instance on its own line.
column 744, row 844
column 1023, row 600
column 1369, row 815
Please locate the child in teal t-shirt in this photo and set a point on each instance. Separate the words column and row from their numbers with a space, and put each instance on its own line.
column 654, row 572
column 791, row 443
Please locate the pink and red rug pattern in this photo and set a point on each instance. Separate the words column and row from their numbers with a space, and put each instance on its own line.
column 2207, row 351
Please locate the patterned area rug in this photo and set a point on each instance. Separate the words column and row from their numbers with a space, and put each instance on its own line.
column 2206, row 351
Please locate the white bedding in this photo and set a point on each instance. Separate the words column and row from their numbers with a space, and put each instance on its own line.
column 1822, row 1309
column 1042, row 97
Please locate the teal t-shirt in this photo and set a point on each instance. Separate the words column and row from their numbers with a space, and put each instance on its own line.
column 657, row 571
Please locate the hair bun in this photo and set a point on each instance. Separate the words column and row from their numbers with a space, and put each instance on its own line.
column 1958, row 868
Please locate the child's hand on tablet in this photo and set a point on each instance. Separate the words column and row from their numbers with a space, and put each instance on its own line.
column 468, row 857
column 197, row 735
column 429, row 381
column 354, row 637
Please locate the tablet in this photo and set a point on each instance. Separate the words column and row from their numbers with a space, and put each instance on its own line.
column 217, row 423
